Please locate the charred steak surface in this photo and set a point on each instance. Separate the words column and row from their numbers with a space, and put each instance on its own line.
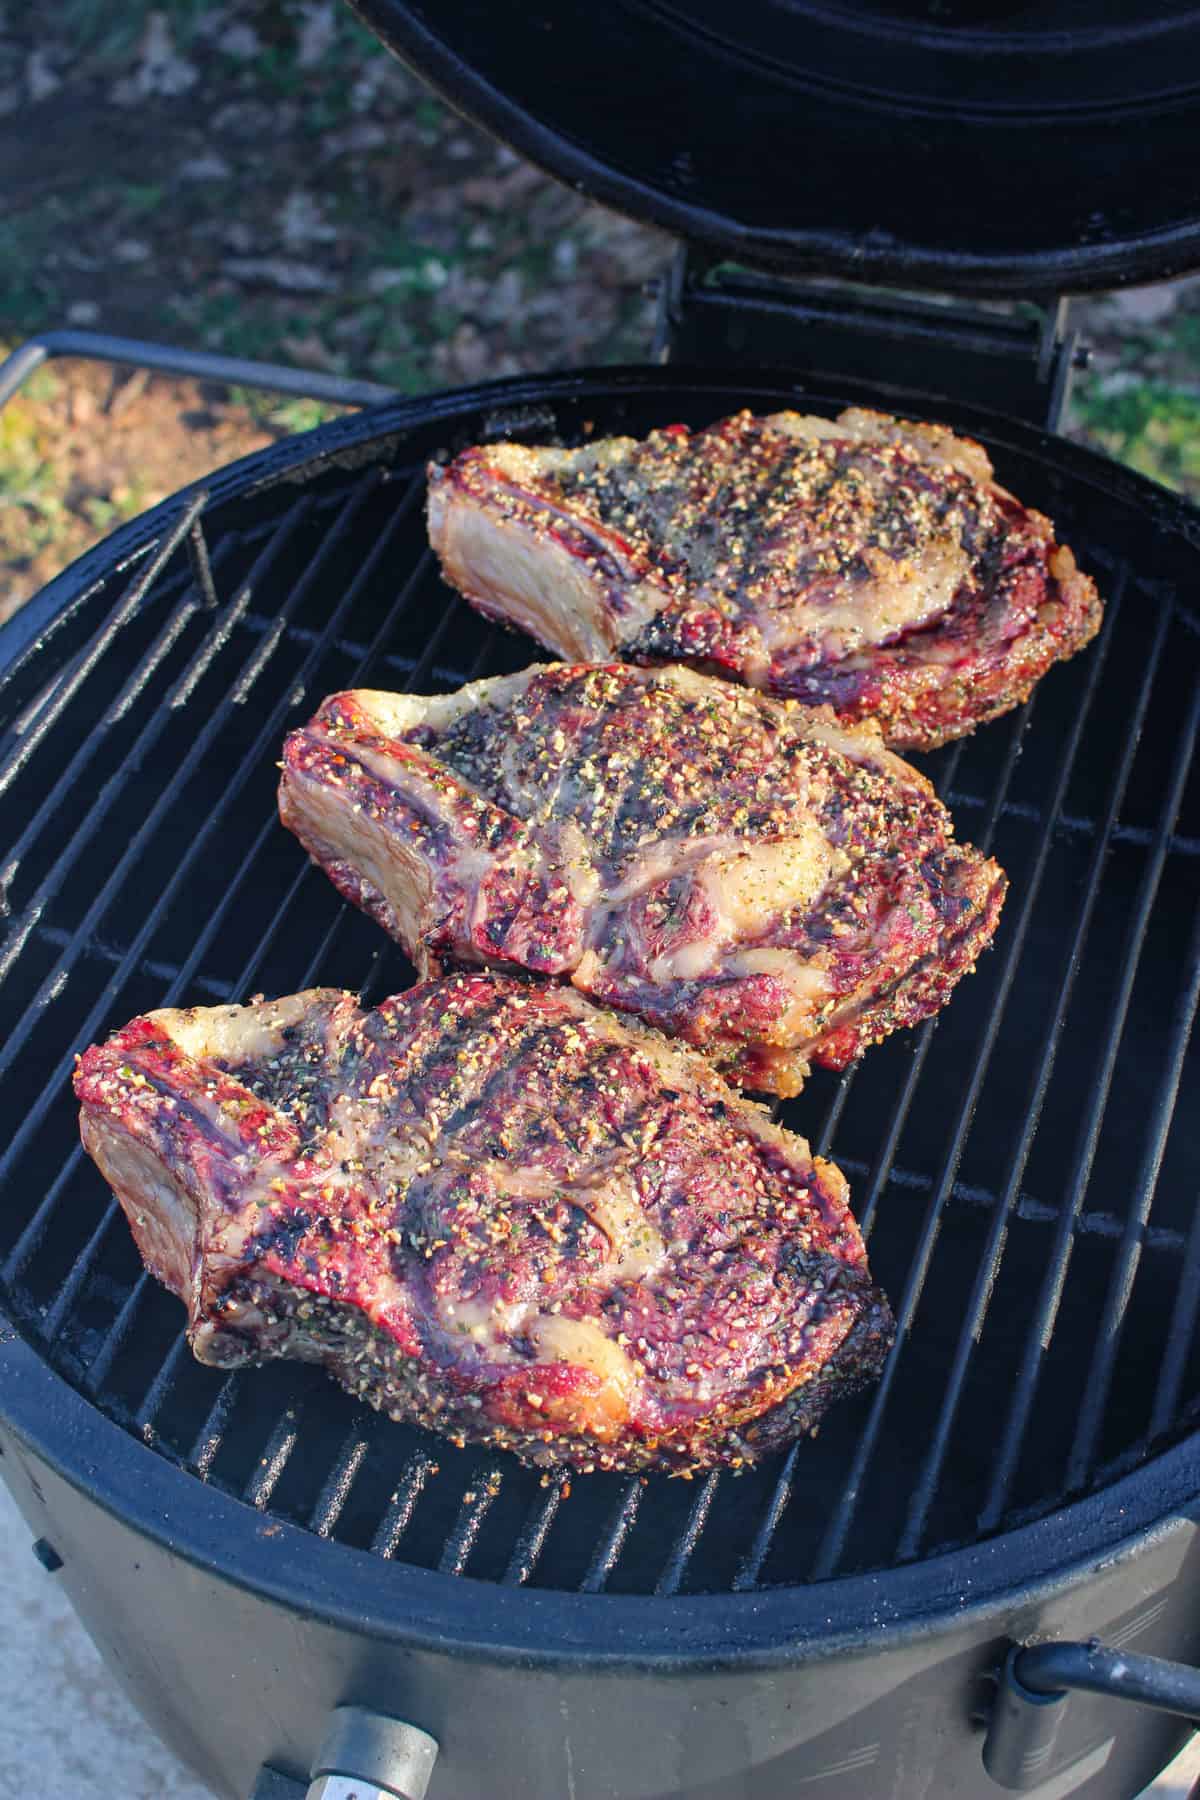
column 867, row 563
column 495, row 1210
column 743, row 872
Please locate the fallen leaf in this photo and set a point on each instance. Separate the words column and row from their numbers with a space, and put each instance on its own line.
column 318, row 29
column 310, row 353
column 277, row 272
column 160, row 70
column 302, row 222
column 40, row 78
column 240, row 41
column 208, row 166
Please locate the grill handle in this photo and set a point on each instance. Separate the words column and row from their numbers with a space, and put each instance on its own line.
column 1035, row 1689
column 170, row 359
column 366, row 1756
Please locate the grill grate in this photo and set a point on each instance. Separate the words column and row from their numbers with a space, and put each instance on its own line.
column 1025, row 1166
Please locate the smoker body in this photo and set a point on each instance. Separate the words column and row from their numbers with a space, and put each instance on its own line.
column 237, row 1658
column 251, row 1551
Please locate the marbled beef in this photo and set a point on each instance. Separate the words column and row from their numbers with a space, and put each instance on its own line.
column 742, row 872
column 489, row 1207
column 866, row 563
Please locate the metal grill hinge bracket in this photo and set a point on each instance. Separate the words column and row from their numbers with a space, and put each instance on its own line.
column 1014, row 357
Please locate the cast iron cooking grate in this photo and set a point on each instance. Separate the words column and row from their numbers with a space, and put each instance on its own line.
column 1026, row 1168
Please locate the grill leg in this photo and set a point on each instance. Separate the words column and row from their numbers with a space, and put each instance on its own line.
column 1035, row 1690
column 1022, row 1732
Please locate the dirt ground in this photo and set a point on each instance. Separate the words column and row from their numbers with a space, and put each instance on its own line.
column 259, row 177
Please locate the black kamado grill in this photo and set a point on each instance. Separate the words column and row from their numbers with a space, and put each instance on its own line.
column 961, row 1582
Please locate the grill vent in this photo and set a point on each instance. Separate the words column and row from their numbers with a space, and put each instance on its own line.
column 1025, row 1167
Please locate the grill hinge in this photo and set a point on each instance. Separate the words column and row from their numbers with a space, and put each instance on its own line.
column 1011, row 357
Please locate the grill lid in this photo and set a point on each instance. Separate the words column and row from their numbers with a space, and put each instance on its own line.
column 985, row 146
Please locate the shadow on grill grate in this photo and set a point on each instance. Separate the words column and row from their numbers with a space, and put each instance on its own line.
column 1025, row 1168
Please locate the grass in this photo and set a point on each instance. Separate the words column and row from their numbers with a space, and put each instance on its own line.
column 141, row 197
column 32, row 509
column 1152, row 427
column 106, row 34
column 284, row 416
column 226, row 322
column 106, row 512
column 1144, row 409
column 29, row 295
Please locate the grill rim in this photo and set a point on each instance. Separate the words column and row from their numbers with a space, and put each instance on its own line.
column 769, row 1625
column 768, row 1628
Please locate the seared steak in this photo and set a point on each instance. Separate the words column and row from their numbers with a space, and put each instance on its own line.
column 492, row 1209
column 743, row 872
column 866, row 563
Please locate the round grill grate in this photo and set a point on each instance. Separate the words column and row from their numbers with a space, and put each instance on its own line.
column 1026, row 1167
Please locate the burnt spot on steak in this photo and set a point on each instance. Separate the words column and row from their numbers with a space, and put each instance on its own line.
column 490, row 1208
column 742, row 872
column 865, row 563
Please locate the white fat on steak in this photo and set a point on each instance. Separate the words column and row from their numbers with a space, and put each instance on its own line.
column 492, row 1209
column 744, row 872
column 866, row 562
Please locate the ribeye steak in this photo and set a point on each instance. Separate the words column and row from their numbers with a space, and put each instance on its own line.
column 742, row 872
column 495, row 1210
column 866, row 563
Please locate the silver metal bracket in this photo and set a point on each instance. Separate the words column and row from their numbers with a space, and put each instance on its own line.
column 347, row 1787
column 367, row 1756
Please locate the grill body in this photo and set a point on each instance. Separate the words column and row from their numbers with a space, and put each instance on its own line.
column 236, row 1643
column 251, row 1551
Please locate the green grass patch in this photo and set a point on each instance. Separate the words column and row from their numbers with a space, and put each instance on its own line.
column 30, row 296
column 106, row 512
column 142, row 197
column 1148, row 425
column 33, row 512
column 286, row 416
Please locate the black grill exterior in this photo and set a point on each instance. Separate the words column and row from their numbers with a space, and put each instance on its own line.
column 1025, row 1167
column 964, row 146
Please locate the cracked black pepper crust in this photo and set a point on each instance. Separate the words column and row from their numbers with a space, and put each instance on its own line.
column 743, row 872
column 490, row 1208
column 870, row 564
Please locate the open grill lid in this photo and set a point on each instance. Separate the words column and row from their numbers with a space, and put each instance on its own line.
column 975, row 146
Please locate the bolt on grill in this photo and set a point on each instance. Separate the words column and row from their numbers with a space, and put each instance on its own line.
column 1024, row 1167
